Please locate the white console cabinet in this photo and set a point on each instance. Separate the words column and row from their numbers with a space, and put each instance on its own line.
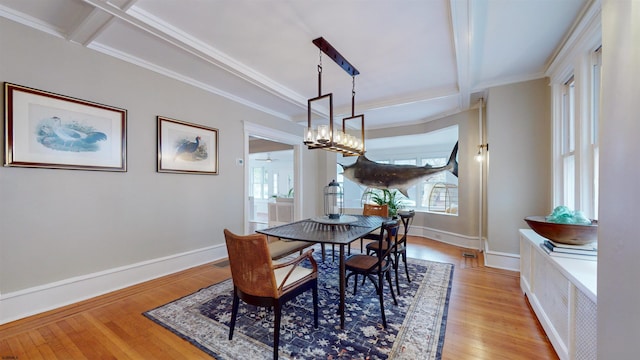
column 562, row 293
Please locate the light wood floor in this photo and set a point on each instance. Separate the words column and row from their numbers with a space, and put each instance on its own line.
column 489, row 318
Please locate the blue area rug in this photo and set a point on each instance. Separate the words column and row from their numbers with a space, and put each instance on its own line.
column 415, row 327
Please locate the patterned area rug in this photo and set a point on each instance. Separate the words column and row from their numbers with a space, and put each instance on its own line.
column 415, row 327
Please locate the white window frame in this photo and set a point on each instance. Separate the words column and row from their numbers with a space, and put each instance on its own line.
column 568, row 136
column 581, row 193
column 594, row 123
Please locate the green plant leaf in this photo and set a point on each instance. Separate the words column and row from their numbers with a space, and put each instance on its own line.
column 391, row 198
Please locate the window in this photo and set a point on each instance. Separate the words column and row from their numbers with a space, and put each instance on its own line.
column 429, row 183
column 568, row 143
column 259, row 183
column 413, row 191
column 429, row 149
column 275, row 189
column 594, row 123
column 576, row 129
column 443, row 198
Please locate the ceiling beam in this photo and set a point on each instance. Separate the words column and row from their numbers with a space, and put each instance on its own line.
column 461, row 28
column 140, row 19
column 95, row 23
column 90, row 27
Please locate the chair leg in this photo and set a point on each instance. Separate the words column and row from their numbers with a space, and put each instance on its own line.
column 276, row 330
column 355, row 284
column 395, row 267
column 390, row 288
column 384, row 317
column 373, row 281
column 315, row 305
column 406, row 268
column 234, row 313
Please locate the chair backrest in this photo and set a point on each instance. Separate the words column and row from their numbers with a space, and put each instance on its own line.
column 406, row 221
column 374, row 209
column 388, row 239
column 251, row 266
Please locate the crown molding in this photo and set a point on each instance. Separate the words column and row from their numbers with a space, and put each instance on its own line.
column 185, row 79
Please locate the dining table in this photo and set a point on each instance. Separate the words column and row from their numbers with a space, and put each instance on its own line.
column 323, row 230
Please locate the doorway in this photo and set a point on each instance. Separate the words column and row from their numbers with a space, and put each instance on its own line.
column 272, row 173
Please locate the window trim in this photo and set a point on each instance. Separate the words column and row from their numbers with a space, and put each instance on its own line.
column 582, row 155
column 575, row 58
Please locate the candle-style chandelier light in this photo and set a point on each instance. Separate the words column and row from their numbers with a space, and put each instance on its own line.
column 348, row 141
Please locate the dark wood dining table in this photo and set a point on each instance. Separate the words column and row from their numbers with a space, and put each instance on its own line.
column 318, row 231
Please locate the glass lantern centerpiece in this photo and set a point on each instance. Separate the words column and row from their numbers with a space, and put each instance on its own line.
column 333, row 200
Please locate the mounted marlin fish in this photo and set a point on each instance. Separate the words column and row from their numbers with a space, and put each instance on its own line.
column 389, row 176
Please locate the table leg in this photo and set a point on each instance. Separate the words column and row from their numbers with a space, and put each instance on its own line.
column 342, row 286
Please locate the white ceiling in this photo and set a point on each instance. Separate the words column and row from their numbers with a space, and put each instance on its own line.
column 437, row 138
column 419, row 60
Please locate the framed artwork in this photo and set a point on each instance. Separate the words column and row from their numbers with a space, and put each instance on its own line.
column 48, row 130
column 186, row 148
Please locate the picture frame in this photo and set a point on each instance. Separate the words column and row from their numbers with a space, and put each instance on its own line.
column 47, row 130
column 186, row 148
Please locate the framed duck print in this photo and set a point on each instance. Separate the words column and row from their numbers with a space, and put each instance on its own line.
column 48, row 130
column 186, row 148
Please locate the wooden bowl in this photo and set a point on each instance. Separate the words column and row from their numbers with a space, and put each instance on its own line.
column 571, row 234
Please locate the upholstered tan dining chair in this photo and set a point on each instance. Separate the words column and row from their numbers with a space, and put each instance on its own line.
column 259, row 281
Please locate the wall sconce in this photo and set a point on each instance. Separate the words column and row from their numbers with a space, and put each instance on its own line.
column 480, row 156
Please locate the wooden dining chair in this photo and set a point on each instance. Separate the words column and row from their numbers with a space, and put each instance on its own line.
column 259, row 281
column 375, row 267
column 399, row 250
column 375, row 210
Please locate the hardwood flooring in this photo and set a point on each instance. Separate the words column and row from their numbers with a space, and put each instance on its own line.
column 489, row 317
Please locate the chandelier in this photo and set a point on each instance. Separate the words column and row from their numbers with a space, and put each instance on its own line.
column 349, row 140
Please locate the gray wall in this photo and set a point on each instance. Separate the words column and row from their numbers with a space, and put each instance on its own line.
column 519, row 162
column 618, row 243
column 59, row 224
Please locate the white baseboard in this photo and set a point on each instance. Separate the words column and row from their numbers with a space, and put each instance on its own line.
column 465, row 241
column 19, row 304
column 501, row 260
column 494, row 259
